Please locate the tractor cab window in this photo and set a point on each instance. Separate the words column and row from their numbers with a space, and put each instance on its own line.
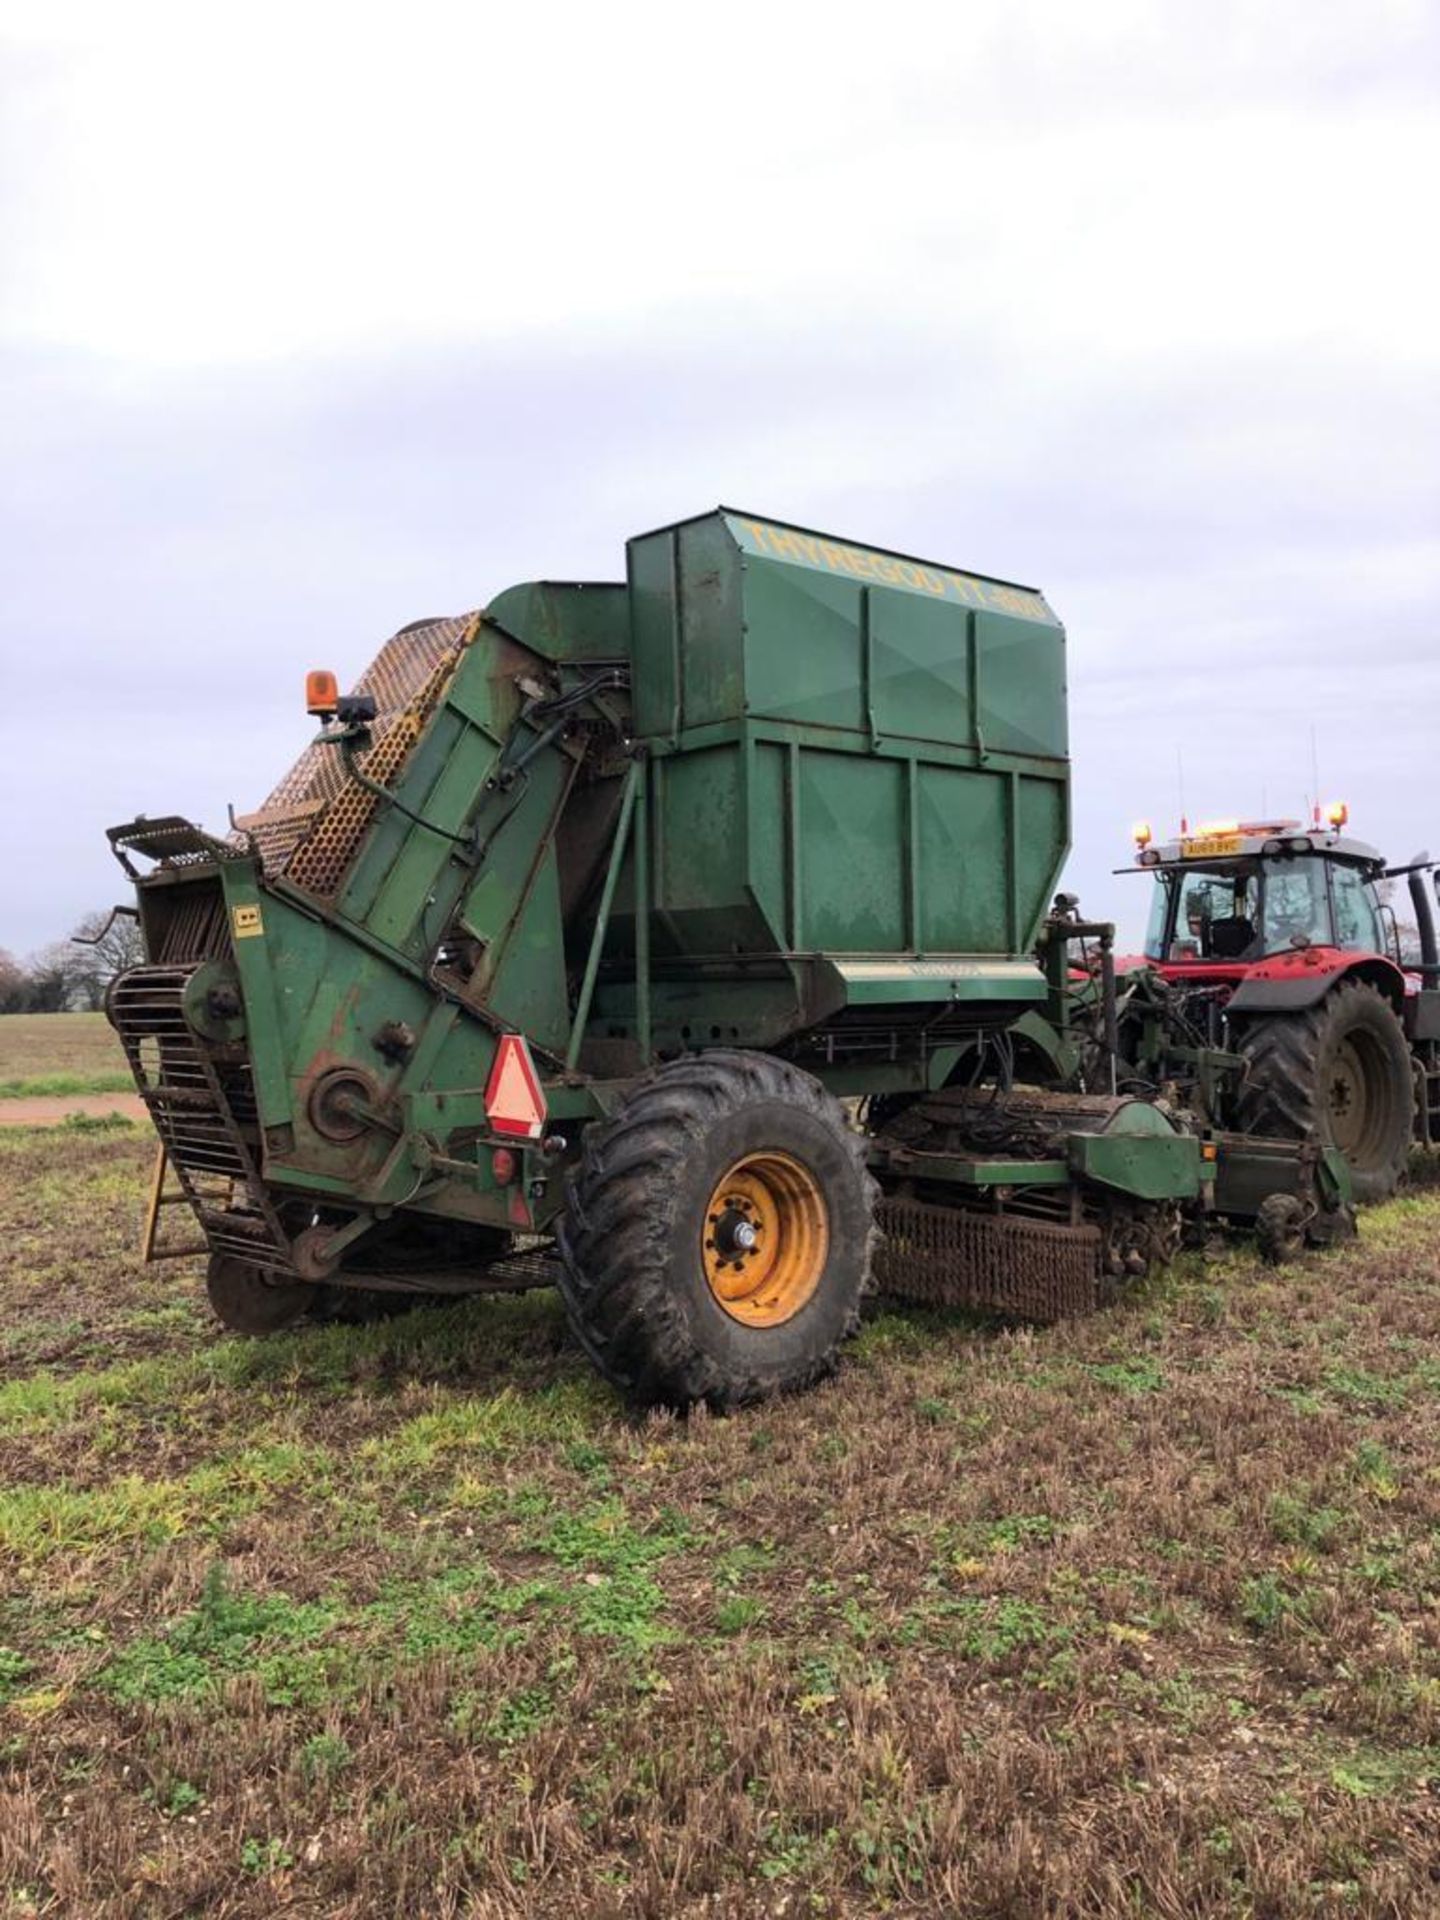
column 1216, row 915
column 1297, row 905
column 1159, row 917
column 1357, row 924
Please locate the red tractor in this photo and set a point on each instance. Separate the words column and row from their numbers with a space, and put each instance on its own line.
column 1274, row 943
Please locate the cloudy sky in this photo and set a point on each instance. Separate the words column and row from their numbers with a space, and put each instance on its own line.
column 314, row 320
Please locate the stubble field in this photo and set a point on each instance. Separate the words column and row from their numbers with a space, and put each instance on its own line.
column 45, row 1054
column 1139, row 1616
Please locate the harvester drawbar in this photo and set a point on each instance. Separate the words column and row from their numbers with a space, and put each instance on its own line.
column 575, row 943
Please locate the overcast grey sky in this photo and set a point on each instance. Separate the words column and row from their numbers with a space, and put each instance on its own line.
column 317, row 319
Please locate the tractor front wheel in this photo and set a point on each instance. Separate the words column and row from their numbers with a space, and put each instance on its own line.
column 717, row 1238
column 1339, row 1071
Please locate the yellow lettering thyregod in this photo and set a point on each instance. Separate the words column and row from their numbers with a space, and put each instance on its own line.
column 861, row 563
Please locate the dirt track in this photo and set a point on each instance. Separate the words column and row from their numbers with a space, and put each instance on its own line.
column 50, row 1110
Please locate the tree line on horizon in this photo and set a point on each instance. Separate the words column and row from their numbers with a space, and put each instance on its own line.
column 70, row 976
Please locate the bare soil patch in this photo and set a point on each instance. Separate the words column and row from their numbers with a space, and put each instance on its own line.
column 53, row 1110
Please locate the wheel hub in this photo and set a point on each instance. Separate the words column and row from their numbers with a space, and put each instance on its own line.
column 1348, row 1102
column 736, row 1236
column 765, row 1238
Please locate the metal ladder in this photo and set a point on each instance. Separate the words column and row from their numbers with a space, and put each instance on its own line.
column 205, row 1116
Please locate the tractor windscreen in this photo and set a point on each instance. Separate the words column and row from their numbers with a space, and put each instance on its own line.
column 1205, row 913
column 1243, row 909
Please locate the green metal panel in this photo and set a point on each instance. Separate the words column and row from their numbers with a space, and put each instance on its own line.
column 922, row 664
column 995, row 1173
column 1248, row 1170
column 1148, row 1165
column 514, row 909
column 401, row 863
column 900, row 982
column 1041, row 841
column 700, row 867
column 712, row 616
column 567, row 620
column 263, row 1000
column 655, row 634
column 964, row 861
column 402, row 914
column 768, row 765
column 852, row 822
column 861, row 751
column 802, row 648
column 1021, row 678
column 901, row 573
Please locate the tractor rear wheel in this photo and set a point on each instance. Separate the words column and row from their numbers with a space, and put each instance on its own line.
column 1339, row 1071
column 717, row 1237
column 249, row 1301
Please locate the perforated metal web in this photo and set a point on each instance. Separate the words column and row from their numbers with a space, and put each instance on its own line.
column 311, row 825
column 948, row 1257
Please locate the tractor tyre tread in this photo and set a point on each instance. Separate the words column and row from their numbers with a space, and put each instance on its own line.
column 1280, row 1096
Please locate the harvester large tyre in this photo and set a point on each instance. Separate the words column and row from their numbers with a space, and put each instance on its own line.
column 1339, row 1071
column 718, row 1235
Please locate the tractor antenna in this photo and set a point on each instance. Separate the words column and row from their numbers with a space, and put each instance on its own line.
column 1314, row 779
column 1180, row 784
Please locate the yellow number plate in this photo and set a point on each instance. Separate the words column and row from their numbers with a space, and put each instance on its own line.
column 1211, row 846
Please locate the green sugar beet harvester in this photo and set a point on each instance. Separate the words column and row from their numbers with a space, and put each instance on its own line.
column 684, row 943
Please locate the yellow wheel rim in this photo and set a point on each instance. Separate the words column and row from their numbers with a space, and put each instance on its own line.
column 765, row 1239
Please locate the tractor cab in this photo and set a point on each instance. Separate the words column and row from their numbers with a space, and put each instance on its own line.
column 1233, row 894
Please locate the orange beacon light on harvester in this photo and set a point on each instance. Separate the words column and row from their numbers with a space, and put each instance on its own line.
column 322, row 693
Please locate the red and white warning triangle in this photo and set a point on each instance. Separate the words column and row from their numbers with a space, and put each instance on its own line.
column 514, row 1101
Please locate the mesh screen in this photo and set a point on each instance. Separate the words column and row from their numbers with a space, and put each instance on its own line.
column 946, row 1256
column 311, row 825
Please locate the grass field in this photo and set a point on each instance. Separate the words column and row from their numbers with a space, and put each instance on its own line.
column 60, row 1053
column 1134, row 1617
